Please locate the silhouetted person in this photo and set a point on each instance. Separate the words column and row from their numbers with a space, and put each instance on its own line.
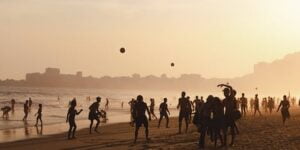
column 13, row 102
column 72, row 112
column 218, row 120
column 152, row 105
column 205, row 120
column 140, row 117
column 26, row 110
column 271, row 105
column 252, row 105
column 244, row 104
column 190, row 109
column 132, row 112
column 184, row 113
column 39, row 115
column 256, row 105
column 230, row 106
column 107, row 104
column 197, row 103
column 164, row 112
column 122, row 104
column 284, row 105
column 94, row 114
column 29, row 104
column 5, row 111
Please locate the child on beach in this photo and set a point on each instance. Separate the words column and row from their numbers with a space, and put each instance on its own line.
column 71, row 119
column 39, row 115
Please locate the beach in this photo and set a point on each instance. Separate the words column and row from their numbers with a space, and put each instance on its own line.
column 266, row 132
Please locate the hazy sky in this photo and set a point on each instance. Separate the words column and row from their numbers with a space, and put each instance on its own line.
column 215, row 38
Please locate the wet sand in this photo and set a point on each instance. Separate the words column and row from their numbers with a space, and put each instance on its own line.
column 266, row 132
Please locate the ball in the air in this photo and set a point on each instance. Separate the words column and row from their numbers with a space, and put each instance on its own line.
column 172, row 64
column 122, row 50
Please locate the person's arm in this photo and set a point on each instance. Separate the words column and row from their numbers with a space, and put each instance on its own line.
column 179, row 103
column 148, row 112
column 279, row 106
column 77, row 113
column 168, row 109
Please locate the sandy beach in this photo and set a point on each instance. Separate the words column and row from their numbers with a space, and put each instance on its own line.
column 266, row 132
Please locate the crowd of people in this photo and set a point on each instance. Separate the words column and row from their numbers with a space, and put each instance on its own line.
column 213, row 117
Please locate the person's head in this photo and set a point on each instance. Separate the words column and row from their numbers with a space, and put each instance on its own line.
column 210, row 99
column 201, row 97
column 165, row 100
column 40, row 105
column 197, row 97
column 226, row 92
column 233, row 92
column 243, row 94
column 26, row 101
column 188, row 98
column 256, row 95
column 217, row 101
column 284, row 97
column 98, row 99
column 140, row 98
column 73, row 103
column 182, row 94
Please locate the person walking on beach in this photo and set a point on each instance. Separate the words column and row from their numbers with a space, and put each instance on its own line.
column 164, row 112
column 152, row 106
column 107, row 104
column 244, row 104
column 230, row 107
column 252, row 105
column 140, row 117
column 218, row 120
column 122, row 104
column 197, row 103
column 39, row 115
column 72, row 112
column 94, row 114
column 13, row 102
column 256, row 105
column 184, row 105
column 284, row 105
column 26, row 110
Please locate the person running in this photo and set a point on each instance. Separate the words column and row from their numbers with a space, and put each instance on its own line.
column 185, row 106
column 284, row 105
column 72, row 112
column 26, row 110
column 39, row 115
column 140, row 117
column 13, row 102
column 152, row 105
column 94, row 114
column 164, row 112
column 6, row 110
column 244, row 104
column 230, row 106
column 107, row 104
column 256, row 105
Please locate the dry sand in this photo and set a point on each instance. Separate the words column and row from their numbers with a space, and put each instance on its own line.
column 266, row 132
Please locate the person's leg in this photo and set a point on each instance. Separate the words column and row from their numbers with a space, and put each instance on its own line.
column 186, row 123
column 70, row 130
column 136, row 133
column 146, row 129
column 225, row 135
column 91, row 125
column 37, row 119
column 232, row 134
column 98, row 122
column 180, row 123
column 74, row 130
column 160, row 118
column 41, row 121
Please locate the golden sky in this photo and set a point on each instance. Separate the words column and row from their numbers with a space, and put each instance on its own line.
column 215, row 38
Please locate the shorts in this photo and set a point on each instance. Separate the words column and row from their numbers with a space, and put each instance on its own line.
column 93, row 116
column 142, row 120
